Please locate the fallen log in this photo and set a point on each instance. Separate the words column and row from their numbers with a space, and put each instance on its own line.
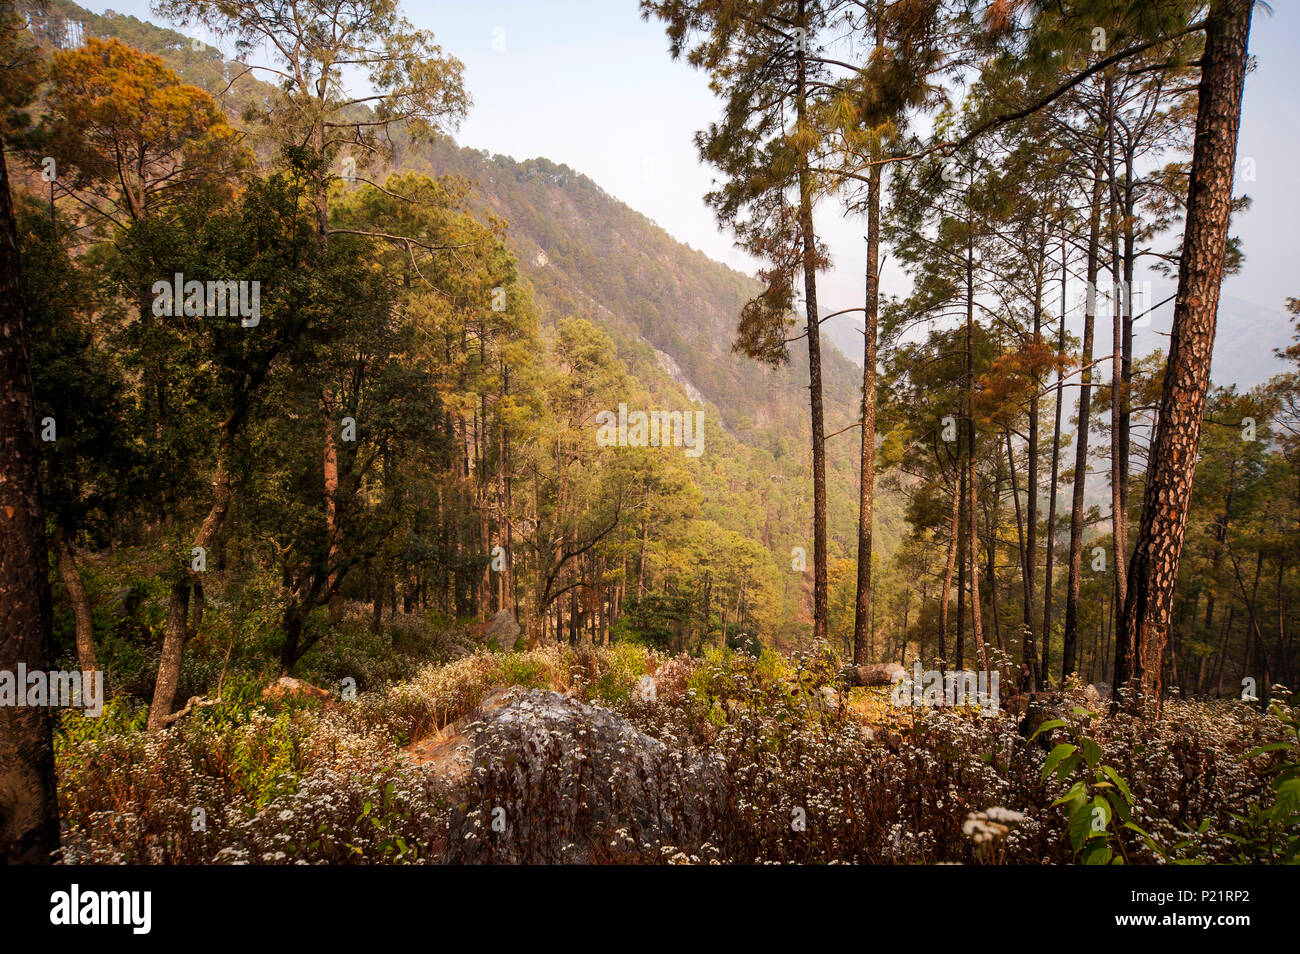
column 873, row 674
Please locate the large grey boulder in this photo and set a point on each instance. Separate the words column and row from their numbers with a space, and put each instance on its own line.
column 557, row 780
column 502, row 631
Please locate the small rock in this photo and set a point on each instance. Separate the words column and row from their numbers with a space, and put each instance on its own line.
column 502, row 631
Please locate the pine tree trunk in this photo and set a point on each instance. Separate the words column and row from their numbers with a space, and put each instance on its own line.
column 963, row 525
column 1044, row 673
column 1118, row 435
column 1145, row 621
column 867, row 490
column 972, row 508
column 808, row 238
column 1070, row 638
column 1029, row 649
column 946, row 593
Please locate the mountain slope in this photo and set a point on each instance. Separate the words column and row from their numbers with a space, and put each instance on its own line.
column 582, row 248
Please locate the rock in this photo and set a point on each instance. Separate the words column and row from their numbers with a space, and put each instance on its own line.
column 557, row 780
column 875, row 674
column 449, row 753
column 502, row 631
column 647, row 689
column 126, row 601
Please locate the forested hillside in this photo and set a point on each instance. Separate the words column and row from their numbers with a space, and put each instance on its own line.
column 368, row 498
column 668, row 311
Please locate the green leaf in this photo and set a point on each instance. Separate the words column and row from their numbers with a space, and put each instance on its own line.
column 1118, row 806
column 1081, row 825
column 1077, row 790
column 1054, row 757
column 1100, row 809
column 1288, row 799
column 1150, row 842
column 1047, row 727
column 1091, row 752
column 1119, row 782
column 1271, row 747
column 1098, row 853
column 1066, row 767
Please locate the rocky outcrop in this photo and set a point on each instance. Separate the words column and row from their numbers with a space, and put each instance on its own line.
column 502, row 631
column 554, row 780
column 449, row 753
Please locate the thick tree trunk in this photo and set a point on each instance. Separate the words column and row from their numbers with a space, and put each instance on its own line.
column 29, row 814
column 1144, row 628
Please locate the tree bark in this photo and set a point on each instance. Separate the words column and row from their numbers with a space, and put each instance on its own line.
column 867, row 490
column 972, row 510
column 178, row 602
column 1029, row 648
column 808, row 237
column 1070, row 638
column 81, row 609
column 1145, row 622
column 29, row 814
column 946, row 592
column 1121, row 294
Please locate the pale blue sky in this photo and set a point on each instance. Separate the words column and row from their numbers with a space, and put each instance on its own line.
column 589, row 84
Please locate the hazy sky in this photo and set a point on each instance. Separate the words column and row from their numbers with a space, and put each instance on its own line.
column 590, row 84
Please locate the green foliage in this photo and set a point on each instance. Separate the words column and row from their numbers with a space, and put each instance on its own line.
column 1098, row 804
column 121, row 715
column 624, row 667
column 1272, row 832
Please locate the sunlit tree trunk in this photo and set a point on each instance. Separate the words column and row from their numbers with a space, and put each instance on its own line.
column 1144, row 624
column 1070, row 639
column 867, row 489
